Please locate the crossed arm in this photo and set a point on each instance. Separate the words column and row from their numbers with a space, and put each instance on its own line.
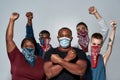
column 57, row 64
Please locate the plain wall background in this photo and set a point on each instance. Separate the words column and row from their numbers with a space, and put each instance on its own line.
column 54, row 14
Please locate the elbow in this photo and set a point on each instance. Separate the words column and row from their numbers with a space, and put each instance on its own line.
column 48, row 75
column 82, row 71
column 47, row 70
column 9, row 38
column 82, row 68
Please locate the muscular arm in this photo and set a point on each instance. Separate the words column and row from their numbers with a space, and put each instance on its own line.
column 110, row 43
column 51, row 70
column 10, row 32
column 77, row 68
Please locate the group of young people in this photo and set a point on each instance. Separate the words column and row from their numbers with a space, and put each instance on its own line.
column 40, row 61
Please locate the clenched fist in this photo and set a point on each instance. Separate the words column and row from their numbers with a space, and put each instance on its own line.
column 92, row 10
column 70, row 55
column 29, row 15
column 14, row 16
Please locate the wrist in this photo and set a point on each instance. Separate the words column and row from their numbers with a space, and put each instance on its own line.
column 95, row 13
column 12, row 20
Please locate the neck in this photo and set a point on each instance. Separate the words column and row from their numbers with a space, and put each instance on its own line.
column 64, row 49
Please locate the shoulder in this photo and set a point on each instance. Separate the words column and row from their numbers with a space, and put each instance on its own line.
column 39, row 59
column 80, row 53
column 49, row 53
column 78, row 50
column 14, row 51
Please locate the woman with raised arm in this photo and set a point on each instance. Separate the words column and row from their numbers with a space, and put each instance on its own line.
column 24, row 65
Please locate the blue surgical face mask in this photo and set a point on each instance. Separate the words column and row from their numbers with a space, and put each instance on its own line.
column 29, row 55
column 64, row 42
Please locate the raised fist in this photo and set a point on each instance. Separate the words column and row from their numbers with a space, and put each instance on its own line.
column 29, row 15
column 113, row 24
column 92, row 10
column 70, row 55
column 14, row 16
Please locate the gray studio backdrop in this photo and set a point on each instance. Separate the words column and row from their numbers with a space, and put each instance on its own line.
column 54, row 14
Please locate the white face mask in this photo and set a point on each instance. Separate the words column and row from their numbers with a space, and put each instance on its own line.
column 64, row 42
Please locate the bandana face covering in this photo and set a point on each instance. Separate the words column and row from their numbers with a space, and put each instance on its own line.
column 64, row 42
column 83, row 40
column 44, row 43
column 29, row 55
column 95, row 50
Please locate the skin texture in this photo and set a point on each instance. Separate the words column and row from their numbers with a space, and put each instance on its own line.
column 9, row 35
column 77, row 68
column 99, row 42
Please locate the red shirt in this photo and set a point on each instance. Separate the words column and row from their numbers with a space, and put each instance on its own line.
column 22, row 70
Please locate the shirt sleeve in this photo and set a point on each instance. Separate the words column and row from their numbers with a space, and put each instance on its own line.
column 81, row 54
column 48, row 54
column 29, row 31
column 103, row 28
column 12, row 55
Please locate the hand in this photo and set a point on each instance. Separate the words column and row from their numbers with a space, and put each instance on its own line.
column 113, row 24
column 70, row 55
column 29, row 15
column 92, row 10
column 14, row 16
column 55, row 58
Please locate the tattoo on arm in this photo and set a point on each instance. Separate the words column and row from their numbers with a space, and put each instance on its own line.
column 110, row 40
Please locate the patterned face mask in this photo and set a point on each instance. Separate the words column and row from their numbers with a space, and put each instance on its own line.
column 83, row 40
column 44, row 43
column 64, row 42
column 29, row 55
column 95, row 50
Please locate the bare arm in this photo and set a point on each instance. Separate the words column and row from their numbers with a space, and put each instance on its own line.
column 10, row 31
column 77, row 68
column 52, row 68
column 110, row 43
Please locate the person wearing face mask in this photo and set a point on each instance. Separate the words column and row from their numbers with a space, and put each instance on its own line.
column 25, row 65
column 82, row 30
column 97, row 60
column 65, row 62
column 44, row 37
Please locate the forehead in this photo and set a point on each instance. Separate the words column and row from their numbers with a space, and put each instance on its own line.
column 96, row 41
column 45, row 35
column 80, row 27
column 28, row 43
column 65, row 32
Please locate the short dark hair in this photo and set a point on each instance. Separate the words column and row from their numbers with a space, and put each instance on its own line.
column 97, row 36
column 65, row 28
column 44, row 32
column 82, row 23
